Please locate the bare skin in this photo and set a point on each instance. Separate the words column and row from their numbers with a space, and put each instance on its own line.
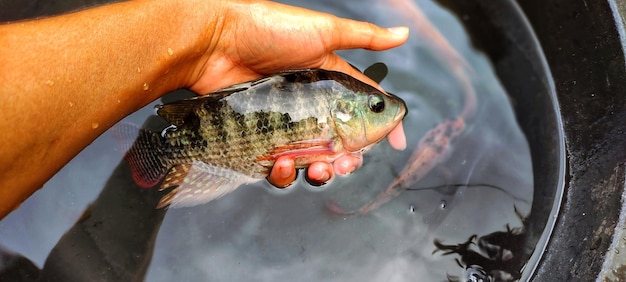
column 65, row 80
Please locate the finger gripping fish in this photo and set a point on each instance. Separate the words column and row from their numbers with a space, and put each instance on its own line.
column 233, row 136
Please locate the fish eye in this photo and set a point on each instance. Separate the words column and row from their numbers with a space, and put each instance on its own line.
column 376, row 103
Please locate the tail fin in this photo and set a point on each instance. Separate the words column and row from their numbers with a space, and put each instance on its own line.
column 144, row 153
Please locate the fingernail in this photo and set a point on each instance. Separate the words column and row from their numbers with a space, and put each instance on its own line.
column 285, row 172
column 399, row 30
column 325, row 176
column 346, row 167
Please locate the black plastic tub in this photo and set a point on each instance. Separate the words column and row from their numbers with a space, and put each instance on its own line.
column 583, row 44
column 584, row 47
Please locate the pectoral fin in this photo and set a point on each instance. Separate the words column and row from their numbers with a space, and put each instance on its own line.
column 301, row 149
column 198, row 183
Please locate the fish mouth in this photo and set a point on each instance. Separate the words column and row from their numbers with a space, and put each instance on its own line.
column 402, row 109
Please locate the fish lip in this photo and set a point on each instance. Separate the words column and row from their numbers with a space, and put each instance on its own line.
column 402, row 111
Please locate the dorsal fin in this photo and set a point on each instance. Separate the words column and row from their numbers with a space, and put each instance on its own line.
column 376, row 72
column 176, row 112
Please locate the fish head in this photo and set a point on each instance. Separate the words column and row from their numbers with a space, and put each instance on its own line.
column 364, row 118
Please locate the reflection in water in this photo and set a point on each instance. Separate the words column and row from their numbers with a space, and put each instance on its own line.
column 262, row 234
column 438, row 143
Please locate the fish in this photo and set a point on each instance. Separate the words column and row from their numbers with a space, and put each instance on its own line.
column 233, row 136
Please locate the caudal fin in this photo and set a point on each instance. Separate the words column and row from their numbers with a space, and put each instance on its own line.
column 144, row 153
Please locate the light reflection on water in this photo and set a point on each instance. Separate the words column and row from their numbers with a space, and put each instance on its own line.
column 268, row 235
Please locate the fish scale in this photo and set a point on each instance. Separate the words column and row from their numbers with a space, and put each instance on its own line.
column 233, row 136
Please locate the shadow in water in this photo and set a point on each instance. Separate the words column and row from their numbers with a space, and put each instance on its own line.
column 115, row 237
column 113, row 240
column 497, row 256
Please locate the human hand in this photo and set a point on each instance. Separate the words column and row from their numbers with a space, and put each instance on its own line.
column 257, row 38
column 101, row 64
column 283, row 173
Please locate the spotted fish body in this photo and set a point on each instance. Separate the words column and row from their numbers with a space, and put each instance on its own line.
column 233, row 136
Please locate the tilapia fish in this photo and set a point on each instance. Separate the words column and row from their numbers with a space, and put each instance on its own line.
column 231, row 137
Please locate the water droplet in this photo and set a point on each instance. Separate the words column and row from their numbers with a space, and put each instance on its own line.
column 94, row 125
column 71, row 104
column 146, row 86
column 170, row 51
column 49, row 82
column 412, row 209
column 443, row 205
column 138, row 70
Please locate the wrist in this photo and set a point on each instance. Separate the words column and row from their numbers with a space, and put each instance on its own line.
column 234, row 28
column 196, row 27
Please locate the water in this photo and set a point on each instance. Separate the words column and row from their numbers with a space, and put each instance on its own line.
column 473, row 203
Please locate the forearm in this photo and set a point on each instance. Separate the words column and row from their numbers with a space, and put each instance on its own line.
column 57, row 96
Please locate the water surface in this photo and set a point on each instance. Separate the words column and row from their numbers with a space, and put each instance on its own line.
column 265, row 234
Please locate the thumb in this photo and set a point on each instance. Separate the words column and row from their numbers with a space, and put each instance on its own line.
column 350, row 34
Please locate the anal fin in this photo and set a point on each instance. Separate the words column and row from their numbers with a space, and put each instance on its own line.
column 198, row 183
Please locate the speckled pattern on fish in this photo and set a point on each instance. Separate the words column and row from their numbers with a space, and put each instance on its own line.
column 233, row 136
